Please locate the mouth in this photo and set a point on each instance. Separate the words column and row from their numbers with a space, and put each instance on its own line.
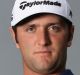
column 42, row 52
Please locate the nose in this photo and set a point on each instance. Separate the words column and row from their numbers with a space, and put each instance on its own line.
column 43, row 38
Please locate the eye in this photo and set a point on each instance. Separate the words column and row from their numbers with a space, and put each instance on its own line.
column 55, row 28
column 31, row 28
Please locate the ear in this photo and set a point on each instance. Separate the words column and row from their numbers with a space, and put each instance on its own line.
column 71, row 33
column 13, row 36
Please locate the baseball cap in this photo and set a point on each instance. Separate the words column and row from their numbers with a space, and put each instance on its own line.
column 25, row 8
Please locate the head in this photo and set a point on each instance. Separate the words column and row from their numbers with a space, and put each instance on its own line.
column 43, row 39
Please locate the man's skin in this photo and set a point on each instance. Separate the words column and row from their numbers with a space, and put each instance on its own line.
column 43, row 43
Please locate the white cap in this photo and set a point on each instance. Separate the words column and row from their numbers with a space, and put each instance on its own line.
column 25, row 8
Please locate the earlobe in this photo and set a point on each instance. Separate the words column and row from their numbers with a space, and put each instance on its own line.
column 13, row 36
column 69, row 44
column 17, row 45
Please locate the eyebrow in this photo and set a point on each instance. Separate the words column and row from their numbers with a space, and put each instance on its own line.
column 49, row 24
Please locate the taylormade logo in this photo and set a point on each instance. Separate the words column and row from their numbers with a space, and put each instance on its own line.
column 25, row 4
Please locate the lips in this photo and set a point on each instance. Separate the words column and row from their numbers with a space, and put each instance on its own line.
column 42, row 52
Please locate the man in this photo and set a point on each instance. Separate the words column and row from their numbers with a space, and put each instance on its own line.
column 43, row 30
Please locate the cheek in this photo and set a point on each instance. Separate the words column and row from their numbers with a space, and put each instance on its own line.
column 60, row 45
column 57, row 38
column 59, row 41
column 25, row 39
column 26, row 43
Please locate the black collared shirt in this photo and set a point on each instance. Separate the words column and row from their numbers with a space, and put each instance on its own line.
column 67, row 72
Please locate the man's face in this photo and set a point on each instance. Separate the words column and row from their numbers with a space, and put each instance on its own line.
column 43, row 43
